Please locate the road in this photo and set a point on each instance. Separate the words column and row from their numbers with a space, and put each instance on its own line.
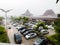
column 11, row 32
column 51, row 32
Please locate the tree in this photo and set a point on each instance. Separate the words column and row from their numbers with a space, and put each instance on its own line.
column 41, row 23
column 57, row 29
column 25, row 19
column 16, row 19
column 57, row 25
column 1, row 18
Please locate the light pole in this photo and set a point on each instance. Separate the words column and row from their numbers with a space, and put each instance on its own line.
column 6, row 11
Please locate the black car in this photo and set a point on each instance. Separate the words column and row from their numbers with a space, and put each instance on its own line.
column 9, row 28
column 41, row 41
column 17, row 38
column 27, row 32
column 30, row 29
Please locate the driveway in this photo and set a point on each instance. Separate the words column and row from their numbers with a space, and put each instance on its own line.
column 51, row 32
column 10, row 33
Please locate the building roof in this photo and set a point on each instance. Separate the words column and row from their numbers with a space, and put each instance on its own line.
column 27, row 13
column 49, row 14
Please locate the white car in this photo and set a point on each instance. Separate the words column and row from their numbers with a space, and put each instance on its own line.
column 18, row 27
column 33, row 26
column 50, row 27
column 30, row 35
column 14, row 25
column 44, row 31
column 40, row 28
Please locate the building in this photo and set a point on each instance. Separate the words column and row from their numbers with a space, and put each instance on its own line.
column 49, row 14
column 27, row 14
column 58, row 15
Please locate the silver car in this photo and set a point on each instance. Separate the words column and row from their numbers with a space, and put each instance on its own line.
column 30, row 35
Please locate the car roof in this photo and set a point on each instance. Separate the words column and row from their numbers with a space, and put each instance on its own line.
column 16, row 34
column 40, row 40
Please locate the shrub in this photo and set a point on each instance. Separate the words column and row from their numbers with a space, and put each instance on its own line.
column 55, row 39
column 41, row 23
column 2, row 30
column 3, row 35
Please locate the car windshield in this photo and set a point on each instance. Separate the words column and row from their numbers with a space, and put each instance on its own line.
column 32, row 34
column 44, row 31
column 39, row 40
column 18, row 36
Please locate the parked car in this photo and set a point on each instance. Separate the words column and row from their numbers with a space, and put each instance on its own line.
column 9, row 28
column 41, row 41
column 30, row 29
column 50, row 27
column 44, row 31
column 18, row 27
column 17, row 38
column 30, row 35
column 22, row 31
column 21, row 28
column 27, row 32
column 30, row 24
column 26, row 24
column 14, row 25
column 40, row 28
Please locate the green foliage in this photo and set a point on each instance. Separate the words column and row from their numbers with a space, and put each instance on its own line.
column 57, row 22
column 25, row 19
column 55, row 39
column 57, row 29
column 17, row 19
column 41, row 23
column 2, row 30
column 1, row 18
column 3, row 35
column 57, row 25
column 4, row 38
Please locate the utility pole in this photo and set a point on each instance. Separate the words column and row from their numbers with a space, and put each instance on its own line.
column 6, row 11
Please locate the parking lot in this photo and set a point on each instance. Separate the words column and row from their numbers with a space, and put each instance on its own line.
column 13, row 30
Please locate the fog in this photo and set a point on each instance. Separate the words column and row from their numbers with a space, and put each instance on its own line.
column 36, row 7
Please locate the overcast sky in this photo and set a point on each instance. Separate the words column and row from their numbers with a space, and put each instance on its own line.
column 36, row 7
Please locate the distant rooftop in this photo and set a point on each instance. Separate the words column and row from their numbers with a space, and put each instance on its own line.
column 27, row 13
column 49, row 14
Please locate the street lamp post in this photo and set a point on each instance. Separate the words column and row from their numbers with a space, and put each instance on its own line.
column 6, row 11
